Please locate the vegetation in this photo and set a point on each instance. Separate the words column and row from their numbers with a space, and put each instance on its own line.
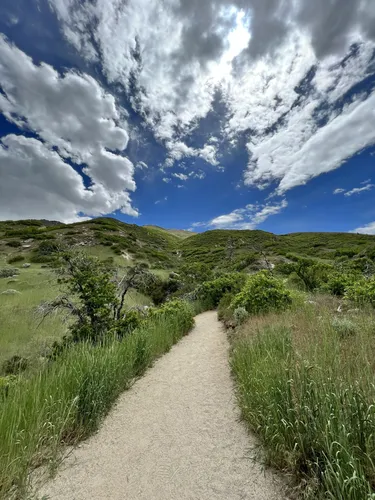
column 262, row 293
column 66, row 400
column 98, row 301
column 305, row 385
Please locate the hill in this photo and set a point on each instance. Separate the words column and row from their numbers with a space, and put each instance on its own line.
column 214, row 247
column 106, row 238
column 180, row 233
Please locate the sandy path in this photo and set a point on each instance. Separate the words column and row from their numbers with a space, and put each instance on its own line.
column 174, row 435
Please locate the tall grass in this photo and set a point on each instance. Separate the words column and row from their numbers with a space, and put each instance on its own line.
column 67, row 400
column 306, row 387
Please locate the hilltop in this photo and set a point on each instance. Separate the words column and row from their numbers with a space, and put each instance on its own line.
column 108, row 238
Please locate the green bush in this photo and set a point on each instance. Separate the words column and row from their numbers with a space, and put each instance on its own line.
column 129, row 322
column 8, row 272
column 310, row 273
column 337, row 283
column 14, row 365
column 213, row 291
column 240, row 315
column 362, row 291
column 262, row 293
column 14, row 243
column 15, row 258
column 224, row 311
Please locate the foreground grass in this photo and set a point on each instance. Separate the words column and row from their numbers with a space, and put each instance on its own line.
column 66, row 401
column 305, row 382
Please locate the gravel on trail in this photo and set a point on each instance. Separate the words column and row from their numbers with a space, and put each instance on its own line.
column 175, row 435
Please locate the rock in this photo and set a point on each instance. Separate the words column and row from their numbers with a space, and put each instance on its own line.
column 26, row 265
column 12, row 281
column 26, row 246
column 174, row 275
column 10, row 291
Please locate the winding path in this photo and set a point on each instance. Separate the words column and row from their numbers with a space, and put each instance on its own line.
column 175, row 435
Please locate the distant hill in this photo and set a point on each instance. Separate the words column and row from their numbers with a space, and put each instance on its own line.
column 162, row 248
column 180, row 233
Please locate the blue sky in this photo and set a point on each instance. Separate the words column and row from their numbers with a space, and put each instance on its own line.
column 188, row 114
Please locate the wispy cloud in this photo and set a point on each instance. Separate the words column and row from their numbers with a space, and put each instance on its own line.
column 249, row 217
column 157, row 202
column 367, row 186
column 182, row 177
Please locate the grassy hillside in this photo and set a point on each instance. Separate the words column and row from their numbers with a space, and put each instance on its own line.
column 180, row 233
column 30, row 242
column 104, row 237
column 214, row 247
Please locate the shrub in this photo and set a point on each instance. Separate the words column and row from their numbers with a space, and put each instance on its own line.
column 47, row 247
column 14, row 243
column 240, row 315
column 8, row 272
column 129, row 322
column 196, row 272
column 337, row 283
column 15, row 258
column 344, row 327
column 224, row 311
column 262, row 293
column 213, row 291
column 362, row 291
column 14, row 365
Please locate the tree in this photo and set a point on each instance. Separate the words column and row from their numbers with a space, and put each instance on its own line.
column 93, row 294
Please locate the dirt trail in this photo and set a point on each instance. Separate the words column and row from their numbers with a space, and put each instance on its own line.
column 174, row 436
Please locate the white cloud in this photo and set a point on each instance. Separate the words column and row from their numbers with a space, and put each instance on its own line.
column 178, row 54
column 367, row 229
column 197, row 175
column 182, row 177
column 299, row 152
column 249, row 217
column 167, row 180
column 141, row 165
column 157, row 202
column 367, row 187
column 37, row 183
column 73, row 115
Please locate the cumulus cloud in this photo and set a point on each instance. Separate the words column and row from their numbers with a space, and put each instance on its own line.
column 76, row 120
column 367, row 229
column 339, row 191
column 37, row 183
column 281, row 68
column 249, row 217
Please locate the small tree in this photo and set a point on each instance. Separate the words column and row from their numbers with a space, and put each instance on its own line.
column 91, row 295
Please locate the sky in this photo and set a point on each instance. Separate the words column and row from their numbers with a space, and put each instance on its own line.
column 189, row 114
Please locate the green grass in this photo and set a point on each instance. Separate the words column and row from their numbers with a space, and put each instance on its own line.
column 306, row 386
column 66, row 400
column 22, row 331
